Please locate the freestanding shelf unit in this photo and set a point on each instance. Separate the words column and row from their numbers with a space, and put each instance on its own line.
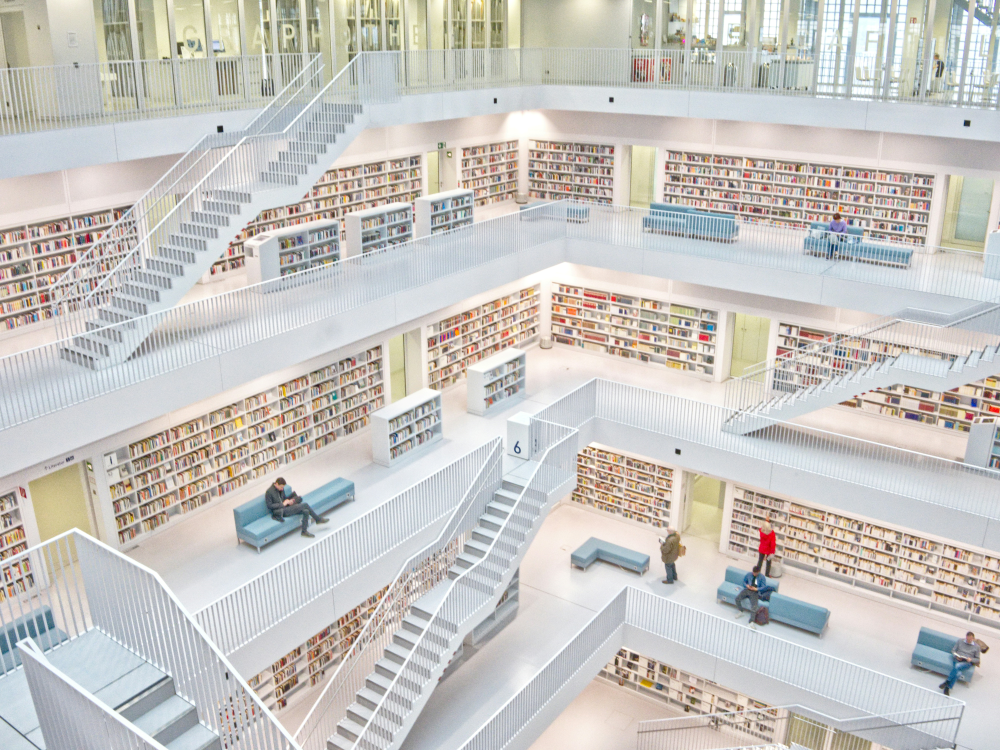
column 495, row 381
column 288, row 250
column 403, row 427
column 378, row 228
column 443, row 211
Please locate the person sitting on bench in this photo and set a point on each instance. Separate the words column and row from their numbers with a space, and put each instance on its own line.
column 965, row 656
column 752, row 584
column 283, row 505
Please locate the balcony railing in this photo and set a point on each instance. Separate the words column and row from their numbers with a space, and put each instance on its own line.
column 65, row 96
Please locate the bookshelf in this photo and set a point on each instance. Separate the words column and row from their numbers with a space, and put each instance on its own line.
column 683, row 691
column 564, row 170
column 377, row 228
column 34, row 256
column 466, row 338
column 950, row 410
column 680, row 337
column 17, row 577
column 409, row 424
column 984, row 443
column 887, row 204
column 338, row 193
column 625, row 485
column 891, row 560
column 159, row 477
column 443, row 211
column 495, row 381
column 281, row 252
column 490, row 171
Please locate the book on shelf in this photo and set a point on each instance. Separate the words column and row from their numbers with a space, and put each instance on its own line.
column 408, row 424
column 625, row 485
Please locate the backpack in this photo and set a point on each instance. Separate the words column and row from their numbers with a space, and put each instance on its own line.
column 763, row 617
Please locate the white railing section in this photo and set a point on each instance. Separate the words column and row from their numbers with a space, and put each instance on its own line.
column 858, row 689
column 896, row 471
column 43, row 98
column 782, row 726
column 247, row 612
column 71, row 717
column 86, row 584
column 468, row 594
column 416, row 577
column 862, row 349
column 38, row 382
column 88, row 94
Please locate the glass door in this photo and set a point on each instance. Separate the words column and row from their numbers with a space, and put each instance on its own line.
column 967, row 212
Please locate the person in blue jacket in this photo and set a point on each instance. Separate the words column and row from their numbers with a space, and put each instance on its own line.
column 753, row 584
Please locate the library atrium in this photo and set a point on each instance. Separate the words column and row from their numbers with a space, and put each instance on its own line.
column 418, row 375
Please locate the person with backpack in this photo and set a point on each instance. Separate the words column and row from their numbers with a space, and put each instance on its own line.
column 767, row 547
column 752, row 584
column 670, row 549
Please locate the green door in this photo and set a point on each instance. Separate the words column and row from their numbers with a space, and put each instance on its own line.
column 750, row 335
column 643, row 168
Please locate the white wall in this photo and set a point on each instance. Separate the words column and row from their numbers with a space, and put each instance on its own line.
column 597, row 24
column 36, row 27
column 76, row 17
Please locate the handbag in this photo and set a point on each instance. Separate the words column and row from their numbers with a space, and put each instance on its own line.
column 681, row 550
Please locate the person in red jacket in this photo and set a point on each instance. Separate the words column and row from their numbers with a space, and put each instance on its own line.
column 768, row 544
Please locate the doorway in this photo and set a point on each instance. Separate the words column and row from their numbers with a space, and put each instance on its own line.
column 433, row 179
column 447, row 170
column 405, row 364
column 967, row 212
column 61, row 501
column 15, row 40
column 640, row 192
column 750, row 338
column 704, row 500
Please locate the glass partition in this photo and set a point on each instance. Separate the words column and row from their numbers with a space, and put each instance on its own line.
column 345, row 24
column 114, row 31
column 226, row 28
column 154, row 33
column 642, row 29
column 189, row 29
column 289, row 26
column 498, row 27
column 459, row 23
column 393, row 25
column 371, row 25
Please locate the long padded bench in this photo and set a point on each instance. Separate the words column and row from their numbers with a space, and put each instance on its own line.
column 595, row 549
column 38, row 625
column 933, row 653
column 781, row 608
column 853, row 246
column 669, row 218
column 256, row 527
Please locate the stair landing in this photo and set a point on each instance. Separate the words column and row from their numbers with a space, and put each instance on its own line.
column 95, row 662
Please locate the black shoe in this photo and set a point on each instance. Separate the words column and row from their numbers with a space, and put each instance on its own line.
column 279, row 519
column 323, row 520
column 943, row 685
column 947, row 690
column 306, row 533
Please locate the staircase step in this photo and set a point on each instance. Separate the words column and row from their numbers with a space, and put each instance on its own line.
column 198, row 737
column 387, row 668
column 284, row 167
column 232, row 196
column 339, row 742
column 350, row 729
column 180, row 254
column 298, row 157
column 96, row 346
column 466, row 561
column 476, row 548
column 428, row 604
column 989, row 353
column 482, row 534
column 368, row 698
column 169, row 720
column 222, row 207
column 397, row 653
column 405, row 639
column 130, row 304
column 199, row 230
column 79, row 357
column 377, row 683
column 498, row 509
column 958, row 365
column 973, row 360
column 493, row 523
column 154, row 280
column 280, row 179
column 188, row 242
column 210, row 218
column 140, row 291
column 165, row 267
column 100, row 330
column 505, row 497
column 359, row 714
column 455, row 571
column 307, row 147
column 414, row 624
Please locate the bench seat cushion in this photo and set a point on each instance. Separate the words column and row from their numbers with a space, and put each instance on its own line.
column 664, row 223
column 933, row 652
column 801, row 614
column 597, row 549
column 255, row 525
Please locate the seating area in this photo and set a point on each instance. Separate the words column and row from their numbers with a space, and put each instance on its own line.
column 38, row 625
column 933, row 653
column 595, row 549
column 853, row 246
column 668, row 218
column 781, row 608
column 256, row 527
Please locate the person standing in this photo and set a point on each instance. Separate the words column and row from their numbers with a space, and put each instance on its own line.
column 767, row 547
column 753, row 582
column 670, row 550
column 283, row 505
column 965, row 655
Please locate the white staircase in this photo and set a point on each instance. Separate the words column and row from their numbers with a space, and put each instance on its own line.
column 883, row 354
column 432, row 632
column 210, row 197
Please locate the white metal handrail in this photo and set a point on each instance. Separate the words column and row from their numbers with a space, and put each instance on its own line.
column 71, row 717
column 78, row 583
column 418, row 575
column 885, row 468
column 855, row 687
column 38, row 382
column 250, row 610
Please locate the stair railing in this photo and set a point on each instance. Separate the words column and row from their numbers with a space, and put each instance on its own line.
column 73, row 290
column 468, row 594
column 416, row 577
column 70, row 716
column 862, row 347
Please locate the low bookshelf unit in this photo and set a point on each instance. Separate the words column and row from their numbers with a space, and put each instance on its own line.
column 494, row 382
column 411, row 423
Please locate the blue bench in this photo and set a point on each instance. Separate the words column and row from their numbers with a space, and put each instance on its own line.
column 668, row 218
column 256, row 527
column 38, row 625
column 534, row 215
column 933, row 653
column 781, row 608
column 578, row 214
column 597, row 549
column 820, row 241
